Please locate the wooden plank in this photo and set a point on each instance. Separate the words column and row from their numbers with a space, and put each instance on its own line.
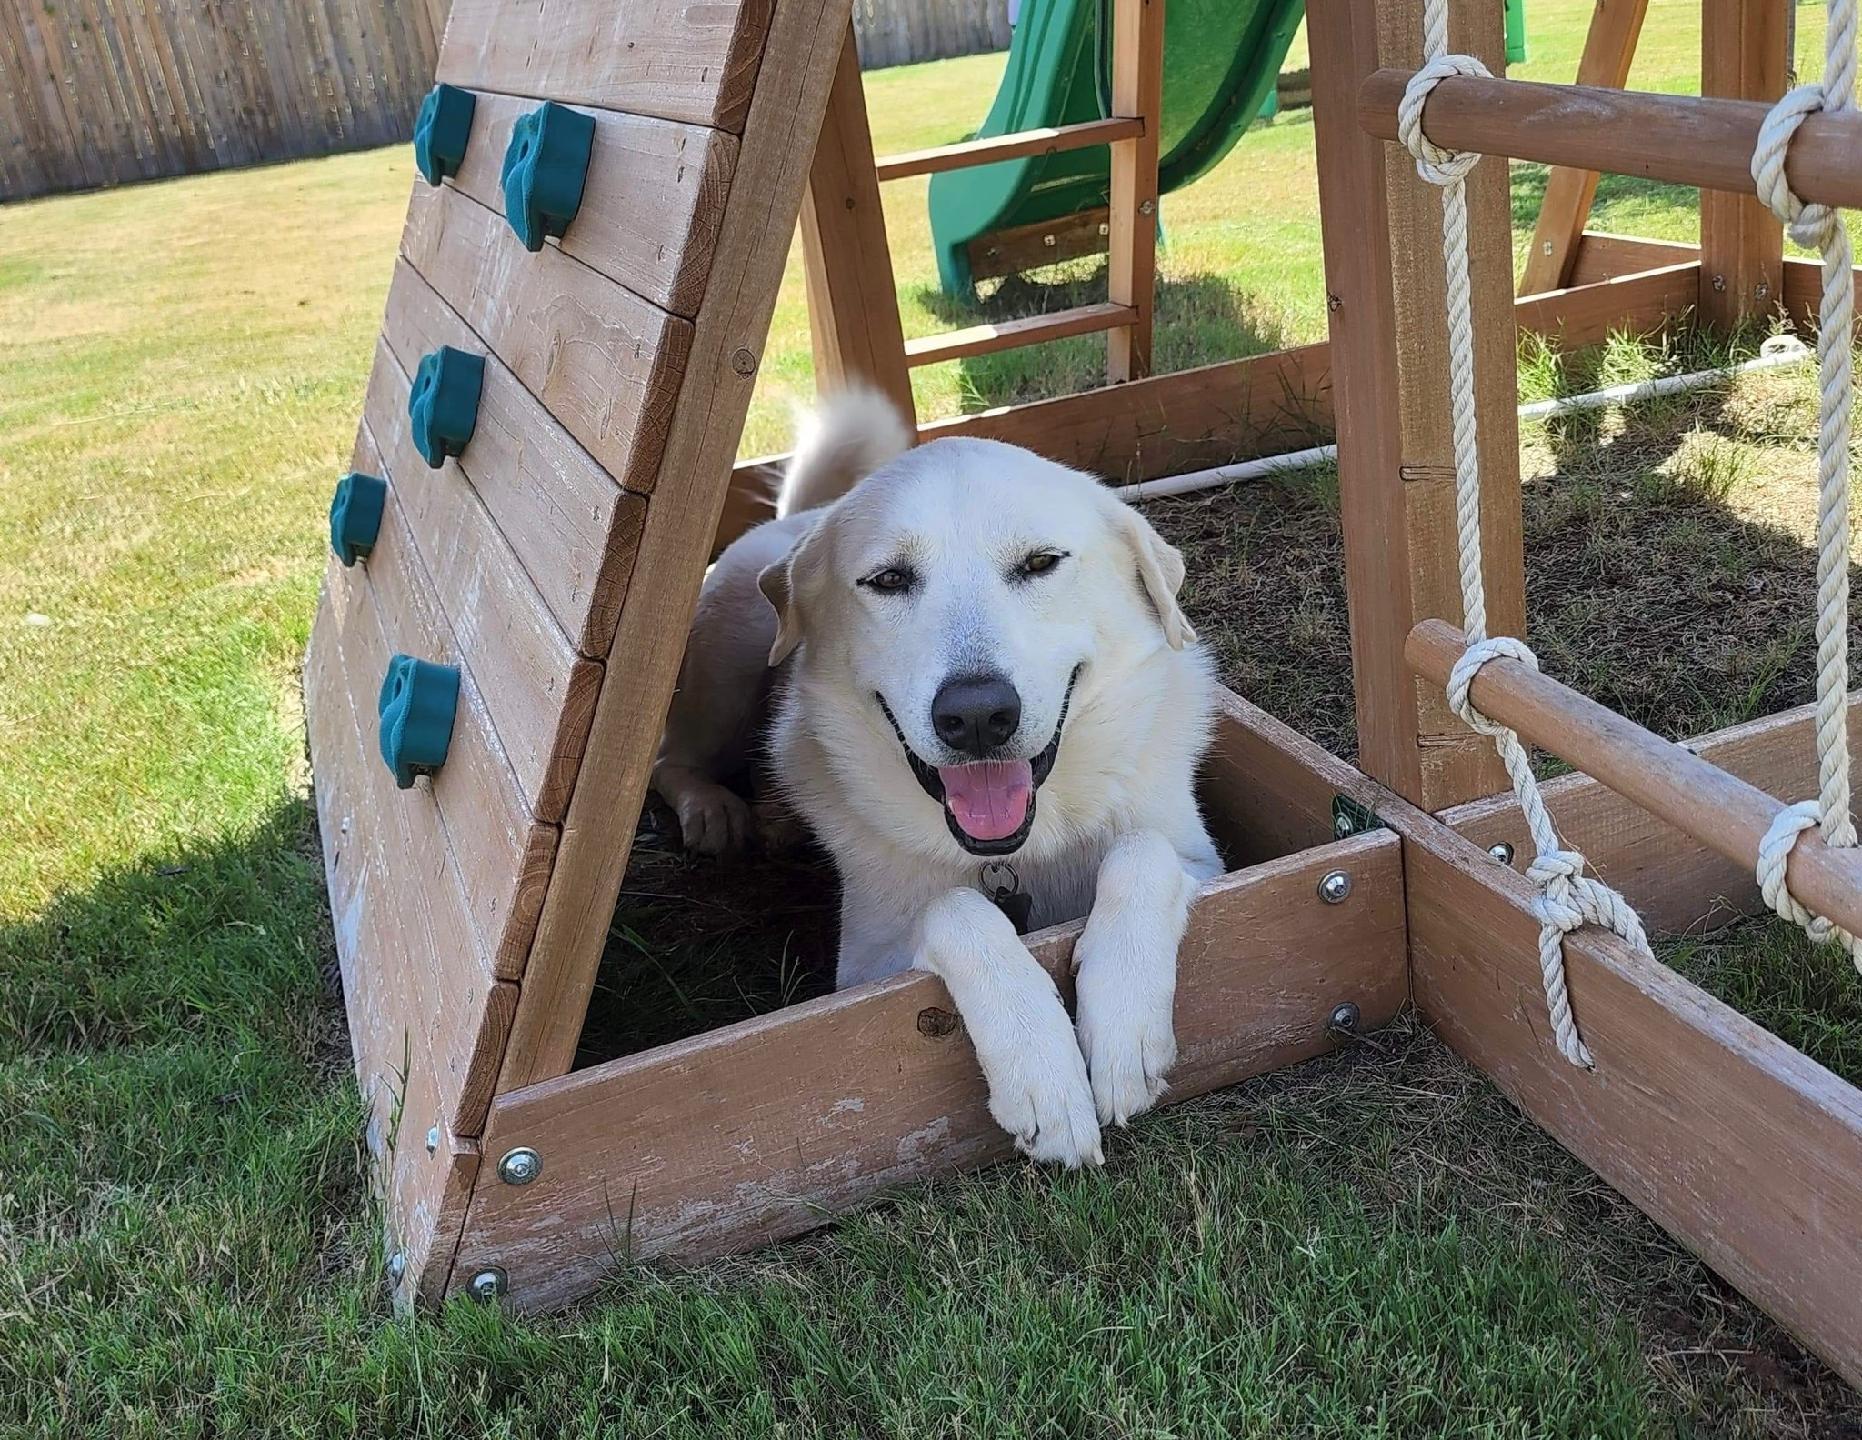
column 539, row 691
column 1017, row 248
column 603, row 361
column 650, row 203
column 1675, row 882
column 1637, row 304
column 1677, row 138
column 1741, row 242
column 1042, row 140
column 1742, row 1149
column 1011, row 334
column 765, row 1129
column 1131, row 270
column 1668, row 780
column 571, row 527
column 1605, row 256
column 1609, row 48
column 653, row 57
column 733, row 323
column 503, row 852
column 1389, row 350
column 853, row 299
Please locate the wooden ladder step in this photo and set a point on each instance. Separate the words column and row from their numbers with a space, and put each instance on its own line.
column 986, row 339
column 1048, row 140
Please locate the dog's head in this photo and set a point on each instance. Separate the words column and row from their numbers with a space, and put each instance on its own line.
column 953, row 611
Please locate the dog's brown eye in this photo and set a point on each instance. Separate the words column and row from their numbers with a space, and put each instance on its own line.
column 1040, row 562
column 890, row 581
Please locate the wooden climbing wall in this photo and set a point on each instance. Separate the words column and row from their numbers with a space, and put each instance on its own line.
column 556, row 559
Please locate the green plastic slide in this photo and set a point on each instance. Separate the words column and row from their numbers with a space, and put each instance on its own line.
column 1221, row 59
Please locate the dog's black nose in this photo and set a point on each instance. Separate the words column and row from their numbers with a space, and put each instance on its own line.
column 976, row 713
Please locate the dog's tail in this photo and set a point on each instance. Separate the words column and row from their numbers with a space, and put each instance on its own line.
column 842, row 442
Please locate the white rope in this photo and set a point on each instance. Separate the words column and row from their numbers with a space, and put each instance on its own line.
column 1820, row 227
column 1567, row 898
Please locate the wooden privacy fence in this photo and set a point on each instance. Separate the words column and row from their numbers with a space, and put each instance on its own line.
column 97, row 92
column 899, row 32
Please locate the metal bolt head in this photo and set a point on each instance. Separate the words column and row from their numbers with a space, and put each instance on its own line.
column 1719, row 282
column 1344, row 1018
column 1149, row 207
column 1050, row 241
column 1341, row 825
column 520, row 1166
column 397, row 1267
column 1335, row 887
column 1547, row 247
column 1763, row 290
column 433, row 1139
column 488, row 1284
column 1501, row 851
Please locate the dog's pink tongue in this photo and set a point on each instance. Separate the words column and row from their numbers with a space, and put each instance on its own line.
column 990, row 800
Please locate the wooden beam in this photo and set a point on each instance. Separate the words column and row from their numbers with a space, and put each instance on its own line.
column 1044, row 140
column 1385, row 283
column 1045, row 242
column 1609, row 48
column 1677, row 138
column 1010, row 334
column 1668, row 780
column 766, row 1129
column 1602, row 255
column 1741, row 242
column 853, row 301
column 1131, row 273
column 1634, row 304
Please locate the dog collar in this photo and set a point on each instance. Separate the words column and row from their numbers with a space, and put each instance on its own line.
column 1002, row 887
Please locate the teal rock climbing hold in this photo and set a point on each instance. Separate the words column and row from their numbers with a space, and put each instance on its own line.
column 355, row 515
column 545, row 166
column 416, row 707
column 441, row 131
column 443, row 405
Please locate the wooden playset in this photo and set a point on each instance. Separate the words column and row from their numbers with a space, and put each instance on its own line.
column 545, row 466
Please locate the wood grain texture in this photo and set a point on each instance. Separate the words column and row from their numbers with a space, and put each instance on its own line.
column 502, row 850
column 603, row 361
column 1043, row 140
column 1044, row 242
column 666, row 58
column 766, row 1129
column 727, row 340
column 1131, row 265
column 1390, row 386
column 1742, row 45
column 1602, row 255
column 853, row 298
column 539, row 692
column 1678, row 138
column 1609, row 49
column 571, row 527
column 1012, row 334
column 1744, row 1150
column 1636, row 304
column 1677, row 883
column 651, row 200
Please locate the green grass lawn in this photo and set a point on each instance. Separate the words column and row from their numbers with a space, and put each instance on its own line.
column 1375, row 1244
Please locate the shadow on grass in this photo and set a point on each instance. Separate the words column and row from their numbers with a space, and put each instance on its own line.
column 1618, row 197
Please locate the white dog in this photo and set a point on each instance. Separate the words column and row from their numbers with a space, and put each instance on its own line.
column 989, row 705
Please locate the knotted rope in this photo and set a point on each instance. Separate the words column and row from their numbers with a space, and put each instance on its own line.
column 1821, row 228
column 1568, row 898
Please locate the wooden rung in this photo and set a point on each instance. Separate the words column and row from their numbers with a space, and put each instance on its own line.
column 1047, row 140
column 986, row 339
column 1721, row 811
column 1678, row 138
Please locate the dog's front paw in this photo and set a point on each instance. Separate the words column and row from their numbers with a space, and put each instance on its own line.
column 713, row 819
column 1126, row 1032
column 1039, row 1091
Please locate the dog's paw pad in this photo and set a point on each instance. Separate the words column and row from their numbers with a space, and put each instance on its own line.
column 713, row 820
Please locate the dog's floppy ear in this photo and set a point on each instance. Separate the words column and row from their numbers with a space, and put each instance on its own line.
column 783, row 584
column 1160, row 571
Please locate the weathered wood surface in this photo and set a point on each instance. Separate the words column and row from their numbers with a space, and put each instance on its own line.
column 727, row 341
column 1676, row 882
column 905, row 32
column 571, row 527
column 766, row 1129
column 1635, row 304
column 1742, row 57
column 986, row 339
column 1043, row 242
column 665, row 58
column 603, row 361
column 503, row 851
column 853, row 299
column 1042, row 140
column 540, row 693
column 1385, row 284
column 1602, row 256
column 1131, row 261
column 651, row 200
column 99, row 92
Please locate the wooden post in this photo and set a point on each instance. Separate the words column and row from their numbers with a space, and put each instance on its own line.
column 1131, row 276
column 1741, row 242
column 1609, row 48
column 1384, row 278
column 853, row 303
